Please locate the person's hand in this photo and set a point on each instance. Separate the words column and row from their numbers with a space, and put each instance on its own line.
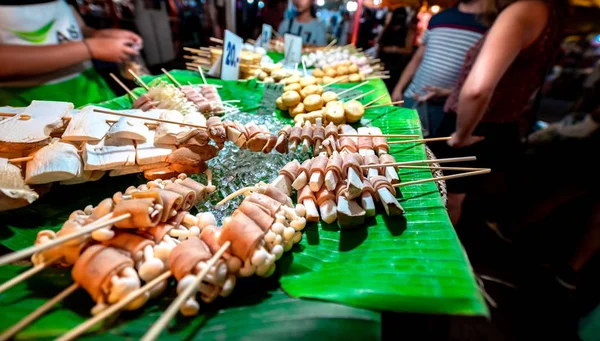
column 115, row 33
column 435, row 92
column 111, row 50
column 458, row 142
column 397, row 94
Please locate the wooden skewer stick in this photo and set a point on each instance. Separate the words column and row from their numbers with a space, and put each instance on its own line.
column 377, row 77
column 166, row 317
column 375, row 100
column 216, row 40
column 352, row 88
column 304, row 67
column 38, row 312
column 204, row 58
column 446, row 177
column 196, row 58
column 433, row 139
column 107, row 220
column 171, row 77
column 196, row 64
column 385, row 105
column 363, row 95
column 331, row 43
column 147, row 118
column 138, row 79
column 196, row 50
column 235, row 194
column 202, row 75
column 81, row 328
column 379, row 135
column 123, row 86
column 443, row 168
column 336, row 81
column 452, row 159
column 22, row 117
column 21, row 159
column 25, row 275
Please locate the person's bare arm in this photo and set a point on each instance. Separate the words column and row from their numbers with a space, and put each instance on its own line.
column 408, row 45
column 24, row 61
column 20, row 60
column 408, row 73
column 516, row 28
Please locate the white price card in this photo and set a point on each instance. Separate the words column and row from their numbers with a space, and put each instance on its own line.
column 265, row 36
column 230, row 61
column 293, row 49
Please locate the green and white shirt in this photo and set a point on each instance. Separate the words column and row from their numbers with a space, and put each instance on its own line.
column 47, row 22
column 40, row 22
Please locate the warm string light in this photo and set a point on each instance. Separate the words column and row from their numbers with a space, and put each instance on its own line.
column 435, row 9
column 351, row 6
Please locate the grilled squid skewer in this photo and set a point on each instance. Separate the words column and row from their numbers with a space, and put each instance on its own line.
column 108, row 276
column 188, row 259
column 333, row 171
column 351, row 167
column 318, row 168
column 387, row 196
column 390, row 172
column 349, row 212
column 327, row 205
column 302, row 175
column 286, row 177
column 367, row 199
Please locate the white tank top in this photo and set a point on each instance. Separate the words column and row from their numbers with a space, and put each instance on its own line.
column 40, row 22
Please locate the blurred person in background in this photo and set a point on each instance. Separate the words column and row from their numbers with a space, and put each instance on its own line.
column 341, row 33
column 305, row 24
column 365, row 30
column 433, row 70
column 46, row 52
column 500, row 75
column 395, row 45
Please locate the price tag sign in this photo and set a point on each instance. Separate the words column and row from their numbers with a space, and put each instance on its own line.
column 270, row 95
column 265, row 36
column 230, row 61
column 293, row 49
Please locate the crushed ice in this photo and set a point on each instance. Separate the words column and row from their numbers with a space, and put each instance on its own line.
column 234, row 168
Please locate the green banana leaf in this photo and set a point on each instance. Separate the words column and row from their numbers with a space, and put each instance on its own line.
column 413, row 263
column 256, row 309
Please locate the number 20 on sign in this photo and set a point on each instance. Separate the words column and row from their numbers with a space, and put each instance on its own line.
column 230, row 64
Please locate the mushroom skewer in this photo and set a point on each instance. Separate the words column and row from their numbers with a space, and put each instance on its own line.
column 75, row 332
column 162, row 322
column 108, row 221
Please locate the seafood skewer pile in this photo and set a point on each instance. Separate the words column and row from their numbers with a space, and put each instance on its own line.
column 182, row 98
column 146, row 233
column 335, row 188
column 112, row 261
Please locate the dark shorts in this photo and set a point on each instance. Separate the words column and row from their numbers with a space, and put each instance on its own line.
column 435, row 113
column 501, row 150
